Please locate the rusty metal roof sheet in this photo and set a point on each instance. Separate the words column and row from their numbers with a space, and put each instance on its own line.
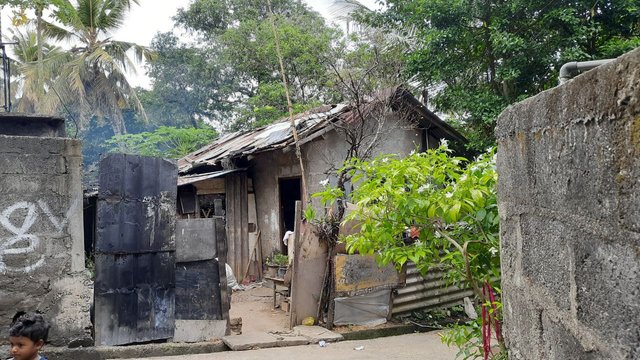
column 191, row 179
column 265, row 138
column 316, row 121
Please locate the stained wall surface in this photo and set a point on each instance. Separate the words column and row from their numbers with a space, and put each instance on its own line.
column 41, row 234
column 322, row 158
column 569, row 201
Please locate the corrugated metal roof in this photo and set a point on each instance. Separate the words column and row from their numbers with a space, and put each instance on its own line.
column 190, row 179
column 308, row 124
column 265, row 138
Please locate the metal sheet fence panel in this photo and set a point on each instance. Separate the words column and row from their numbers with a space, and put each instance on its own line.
column 135, row 250
column 426, row 292
column 195, row 240
column 198, row 291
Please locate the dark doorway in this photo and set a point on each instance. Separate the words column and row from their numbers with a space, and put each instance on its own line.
column 290, row 192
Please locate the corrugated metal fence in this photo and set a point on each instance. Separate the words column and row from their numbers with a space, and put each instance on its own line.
column 426, row 292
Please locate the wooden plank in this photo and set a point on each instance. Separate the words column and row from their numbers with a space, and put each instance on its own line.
column 222, row 258
column 293, row 320
column 230, row 216
column 244, row 223
column 307, row 281
column 211, row 186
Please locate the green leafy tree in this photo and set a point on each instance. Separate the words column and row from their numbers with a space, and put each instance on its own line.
column 477, row 57
column 165, row 141
column 434, row 209
column 234, row 60
column 188, row 83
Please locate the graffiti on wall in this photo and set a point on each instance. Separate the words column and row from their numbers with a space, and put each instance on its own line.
column 18, row 219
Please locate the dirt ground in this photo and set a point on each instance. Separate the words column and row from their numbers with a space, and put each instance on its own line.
column 255, row 307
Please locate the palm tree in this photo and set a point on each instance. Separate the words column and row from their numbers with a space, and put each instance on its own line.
column 93, row 82
column 33, row 62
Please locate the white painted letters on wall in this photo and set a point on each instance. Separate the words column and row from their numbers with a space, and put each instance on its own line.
column 22, row 241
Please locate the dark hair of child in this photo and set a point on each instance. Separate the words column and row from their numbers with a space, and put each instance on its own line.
column 32, row 326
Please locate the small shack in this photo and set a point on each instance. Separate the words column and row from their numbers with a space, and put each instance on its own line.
column 257, row 173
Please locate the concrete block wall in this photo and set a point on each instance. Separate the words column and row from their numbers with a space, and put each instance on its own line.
column 569, row 201
column 41, row 236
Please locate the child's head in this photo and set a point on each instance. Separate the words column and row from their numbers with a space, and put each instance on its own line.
column 27, row 335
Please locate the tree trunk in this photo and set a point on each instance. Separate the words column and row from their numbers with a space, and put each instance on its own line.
column 39, row 40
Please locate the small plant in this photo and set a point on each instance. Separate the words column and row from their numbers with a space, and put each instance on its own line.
column 279, row 259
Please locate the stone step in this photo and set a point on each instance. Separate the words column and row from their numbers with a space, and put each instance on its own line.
column 300, row 335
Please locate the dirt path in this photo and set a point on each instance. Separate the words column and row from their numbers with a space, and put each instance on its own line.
column 255, row 307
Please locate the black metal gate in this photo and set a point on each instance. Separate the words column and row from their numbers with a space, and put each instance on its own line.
column 135, row 250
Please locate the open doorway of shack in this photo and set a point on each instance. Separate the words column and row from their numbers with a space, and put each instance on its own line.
column 290, row 192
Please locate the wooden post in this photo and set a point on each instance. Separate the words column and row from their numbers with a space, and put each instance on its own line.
column 221, row 249
column 297, row 231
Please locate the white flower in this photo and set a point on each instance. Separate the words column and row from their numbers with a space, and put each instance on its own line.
column 444, row 142
column 412, row 152
column 463, row 177
column 473, row 168
column 423, row 188
column 385, row 160
column 324, row 182
column 493, row 251
column 448, row 195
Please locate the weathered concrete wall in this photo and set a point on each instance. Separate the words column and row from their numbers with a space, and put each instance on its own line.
column 569, row 197
column 41, row 235
column 321, row 158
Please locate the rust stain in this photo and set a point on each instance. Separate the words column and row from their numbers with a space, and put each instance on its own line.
column 357, row 273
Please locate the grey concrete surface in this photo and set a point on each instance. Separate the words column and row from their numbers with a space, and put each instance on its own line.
column 569, row 201
column 316, row 334
column 127, row 352
column 41, row 234
column 425, row 346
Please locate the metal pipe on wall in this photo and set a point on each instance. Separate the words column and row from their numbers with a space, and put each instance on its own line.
column 573, row 68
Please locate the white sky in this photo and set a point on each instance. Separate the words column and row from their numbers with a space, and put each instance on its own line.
column 153, row 16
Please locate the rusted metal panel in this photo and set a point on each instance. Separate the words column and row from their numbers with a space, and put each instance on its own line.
column 135, row 250
column 357, row 274
column 426, row 292
column 191, row 179
column 266, row 138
